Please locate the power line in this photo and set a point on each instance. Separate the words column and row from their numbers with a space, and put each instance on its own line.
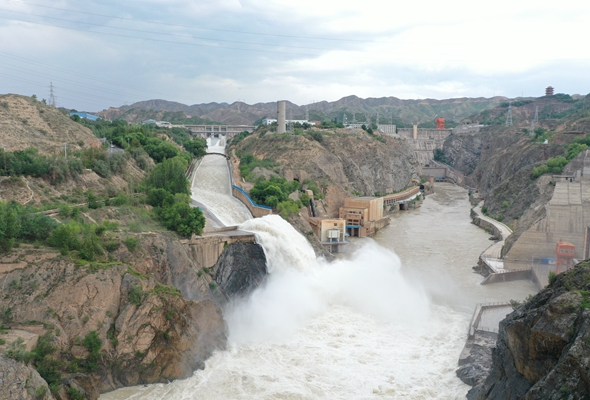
column 208, row 29
column 163, row 41
column 164, row 34
column 97, row 79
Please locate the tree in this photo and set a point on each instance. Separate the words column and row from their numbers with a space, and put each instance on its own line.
column 170, row 176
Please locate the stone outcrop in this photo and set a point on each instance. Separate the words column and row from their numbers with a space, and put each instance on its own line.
column 240, row 269
column 476, row 359
column 20, row 382
column 543, row 347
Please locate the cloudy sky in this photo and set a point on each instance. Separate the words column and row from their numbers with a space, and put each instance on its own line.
column 107, row 53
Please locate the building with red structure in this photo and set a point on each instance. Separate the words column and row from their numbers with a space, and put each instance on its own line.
column 565, row 253
column 549, row 91
column 440, row 123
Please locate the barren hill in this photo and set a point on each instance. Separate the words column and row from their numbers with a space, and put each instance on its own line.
column 26, row 122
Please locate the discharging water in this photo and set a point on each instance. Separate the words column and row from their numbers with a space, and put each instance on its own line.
column 211, row 187
column 367, row 326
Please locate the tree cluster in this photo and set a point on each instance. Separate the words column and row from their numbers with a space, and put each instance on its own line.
column 555, row 165
column 168, row 193
column 22, row 223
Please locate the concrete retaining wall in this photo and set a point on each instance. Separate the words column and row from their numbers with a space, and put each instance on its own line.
column 507, row 276
column 256, row 209
column 485, row 224
column 206, row 250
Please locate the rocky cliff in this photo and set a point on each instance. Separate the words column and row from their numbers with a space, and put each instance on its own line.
column 543, row 347
column 145, row 328
column 344, row 162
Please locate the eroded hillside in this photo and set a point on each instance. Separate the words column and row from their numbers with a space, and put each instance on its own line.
column 26, row 122
column 344, row 162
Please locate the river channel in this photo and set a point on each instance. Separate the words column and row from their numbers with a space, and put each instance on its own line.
column 386, row 320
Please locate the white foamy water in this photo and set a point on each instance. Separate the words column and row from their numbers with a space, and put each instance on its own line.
column 211, row 187
column 362, row 327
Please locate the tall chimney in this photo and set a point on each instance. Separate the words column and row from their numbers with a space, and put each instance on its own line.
column 281, row 112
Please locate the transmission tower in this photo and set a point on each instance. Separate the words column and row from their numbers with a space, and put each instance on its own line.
column 532, row 132
column 344, row 119
column 52, row 102
column 509, row 115
column 536, row 119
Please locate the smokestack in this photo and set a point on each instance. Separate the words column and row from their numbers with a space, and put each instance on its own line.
column 281, row 112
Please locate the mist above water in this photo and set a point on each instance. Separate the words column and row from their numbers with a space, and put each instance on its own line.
column 301, row 287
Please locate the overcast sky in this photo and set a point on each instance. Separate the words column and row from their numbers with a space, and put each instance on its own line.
column 108, row 53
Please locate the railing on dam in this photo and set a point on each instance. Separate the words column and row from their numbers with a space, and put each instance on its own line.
column 257, row 210
column 397, row 197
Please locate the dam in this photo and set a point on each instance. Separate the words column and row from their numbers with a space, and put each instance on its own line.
column 388, row 319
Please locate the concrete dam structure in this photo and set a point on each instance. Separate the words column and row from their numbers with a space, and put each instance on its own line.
column 424, row 141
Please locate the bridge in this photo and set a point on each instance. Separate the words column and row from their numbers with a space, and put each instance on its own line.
column 206, row 131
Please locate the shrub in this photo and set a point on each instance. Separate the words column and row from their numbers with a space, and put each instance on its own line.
column 131, row 243
column 552, row 277
column 136, row 295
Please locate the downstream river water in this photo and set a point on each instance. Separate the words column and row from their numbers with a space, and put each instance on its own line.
column 387, row 320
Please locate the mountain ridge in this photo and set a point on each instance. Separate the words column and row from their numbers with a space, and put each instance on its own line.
column 390, row 109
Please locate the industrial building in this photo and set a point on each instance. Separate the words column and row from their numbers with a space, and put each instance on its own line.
column 363, row 215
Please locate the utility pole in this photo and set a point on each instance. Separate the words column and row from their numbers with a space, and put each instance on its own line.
column 509, row 115
column 536, row 119
column 3, row 145
column 66, row 150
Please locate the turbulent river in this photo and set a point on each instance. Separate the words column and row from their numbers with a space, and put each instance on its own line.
column 387, row 320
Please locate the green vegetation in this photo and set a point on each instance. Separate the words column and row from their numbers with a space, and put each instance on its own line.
column 87, row 239
column 555, row 165
column 275, row 193
column 248, row 162
column 30, row 163
column 140, row 139
column 439, row 155
column 136, row 295
column 238, row 138
column 22, row 223
column 168, row 191
column 40, row 357
column 552, row 277
column 75, row 394
column 93, row 344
